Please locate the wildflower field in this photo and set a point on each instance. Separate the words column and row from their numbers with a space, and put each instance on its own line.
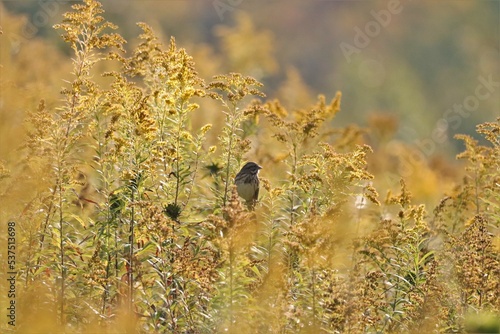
column 119, row 213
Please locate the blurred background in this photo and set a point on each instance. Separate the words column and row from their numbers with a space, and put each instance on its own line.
column 420, row 70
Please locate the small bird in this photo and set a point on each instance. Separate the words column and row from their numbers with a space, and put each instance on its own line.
column 247, row 183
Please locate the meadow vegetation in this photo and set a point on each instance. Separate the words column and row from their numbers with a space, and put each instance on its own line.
column 128, row 220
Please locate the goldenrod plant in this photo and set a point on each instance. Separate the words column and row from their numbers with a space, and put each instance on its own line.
column 230, row 90
column 128, row 220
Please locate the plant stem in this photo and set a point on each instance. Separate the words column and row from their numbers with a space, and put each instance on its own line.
column 294, row 176
column 231, row 274
column 178, row 156
column 131, row 253
column 61, row 245
column 229, row 150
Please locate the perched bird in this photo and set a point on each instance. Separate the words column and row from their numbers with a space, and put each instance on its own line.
column 247, row 183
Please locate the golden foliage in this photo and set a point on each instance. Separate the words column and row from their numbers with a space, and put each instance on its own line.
column 128, row 220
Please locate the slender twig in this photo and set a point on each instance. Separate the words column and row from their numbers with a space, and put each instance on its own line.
column 131, row 252
column 229, row 152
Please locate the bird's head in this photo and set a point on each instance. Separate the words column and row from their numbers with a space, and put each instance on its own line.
column 251, row 167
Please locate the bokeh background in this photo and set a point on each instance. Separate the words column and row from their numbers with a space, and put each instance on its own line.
column 413, row 74
column 407, row 63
